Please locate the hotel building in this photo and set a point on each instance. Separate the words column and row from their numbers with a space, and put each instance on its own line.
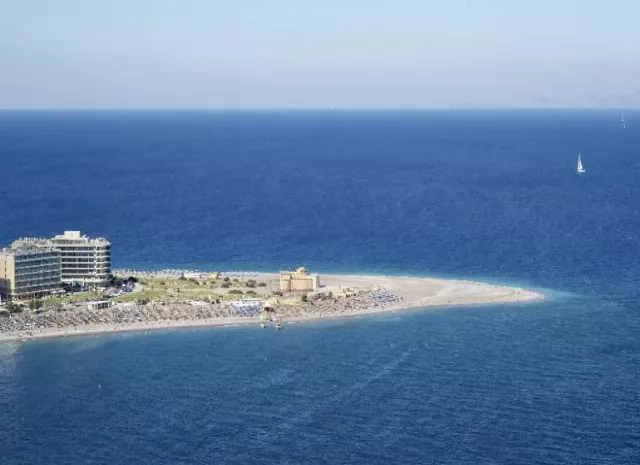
column 29, row 272
column 83, row 260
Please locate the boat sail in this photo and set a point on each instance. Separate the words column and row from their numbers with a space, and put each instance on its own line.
column 580, row 169
column 624, row 123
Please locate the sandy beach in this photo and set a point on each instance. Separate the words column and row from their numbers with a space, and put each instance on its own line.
column 407, row 292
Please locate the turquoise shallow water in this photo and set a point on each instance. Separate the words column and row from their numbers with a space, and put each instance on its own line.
column 470, row 195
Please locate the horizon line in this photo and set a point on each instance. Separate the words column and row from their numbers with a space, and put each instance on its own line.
column 327, row 109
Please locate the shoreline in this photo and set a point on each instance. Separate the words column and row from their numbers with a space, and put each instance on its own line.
column 414, row 293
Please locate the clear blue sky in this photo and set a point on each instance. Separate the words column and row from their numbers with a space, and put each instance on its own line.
column 319, row 53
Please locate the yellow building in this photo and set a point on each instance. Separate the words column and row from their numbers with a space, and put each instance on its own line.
column 299, row 281
column 29, row 272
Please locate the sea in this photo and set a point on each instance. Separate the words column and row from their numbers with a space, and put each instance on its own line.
column 480, row 195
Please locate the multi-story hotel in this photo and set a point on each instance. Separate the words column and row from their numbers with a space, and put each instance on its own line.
column 83, row 260
column 28, row 272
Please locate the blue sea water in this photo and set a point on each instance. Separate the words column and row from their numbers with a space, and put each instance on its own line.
column 478, row 195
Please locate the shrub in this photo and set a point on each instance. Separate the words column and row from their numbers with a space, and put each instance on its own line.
column 251, row 283
column 182, row 278
column 304, row 297
column 13, row 307
column 226, row 279
column 235, row 291
column 35, row 304
column 143, row 301
column 262, row 284
column 225, row 284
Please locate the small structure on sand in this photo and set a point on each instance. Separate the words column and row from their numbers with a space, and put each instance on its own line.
column 344, row 292
column 99, row 305
column 269, row 306
column 268, row 310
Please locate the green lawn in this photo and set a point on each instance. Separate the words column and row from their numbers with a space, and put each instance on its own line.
column 168, row 290
column 79, row 297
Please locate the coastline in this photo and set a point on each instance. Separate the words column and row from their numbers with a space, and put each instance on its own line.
column 413, row 293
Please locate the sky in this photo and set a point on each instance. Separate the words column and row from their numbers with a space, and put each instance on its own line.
column 246, row 54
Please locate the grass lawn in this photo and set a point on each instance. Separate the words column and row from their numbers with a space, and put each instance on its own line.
column 170, row 290
column 79, row 297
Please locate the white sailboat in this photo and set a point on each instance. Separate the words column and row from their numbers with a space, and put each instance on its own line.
column 580, row 169
column 624, row 123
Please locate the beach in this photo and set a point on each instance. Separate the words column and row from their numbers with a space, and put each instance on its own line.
column 372, row 294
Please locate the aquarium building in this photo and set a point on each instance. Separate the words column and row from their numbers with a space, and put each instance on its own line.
column 299, row 281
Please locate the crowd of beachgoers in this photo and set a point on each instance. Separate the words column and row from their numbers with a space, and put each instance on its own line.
column 364, row 302
column 118, row 314
column 74, row 318
column 178, row 272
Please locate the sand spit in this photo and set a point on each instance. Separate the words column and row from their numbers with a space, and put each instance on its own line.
column 375, row 294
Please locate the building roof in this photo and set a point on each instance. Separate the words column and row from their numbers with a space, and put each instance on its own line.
column 301, row 270
column 25, row 249
column 73, row 236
